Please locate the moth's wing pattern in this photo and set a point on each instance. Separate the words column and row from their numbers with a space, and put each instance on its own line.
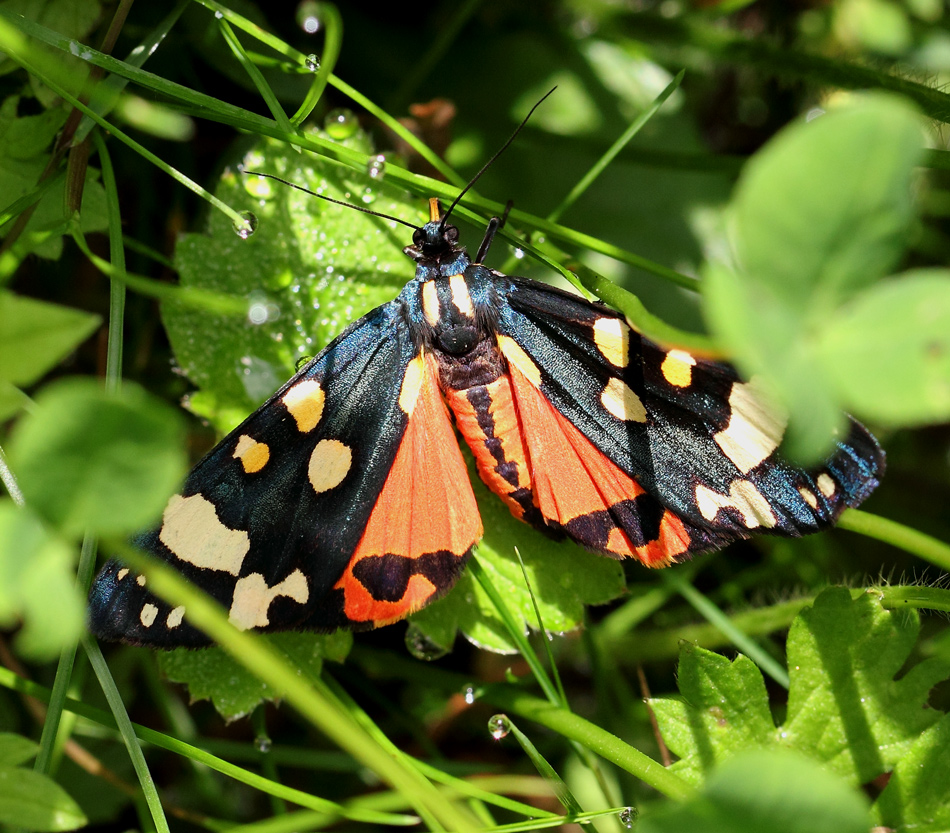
column 700, row 441
column 275, row 522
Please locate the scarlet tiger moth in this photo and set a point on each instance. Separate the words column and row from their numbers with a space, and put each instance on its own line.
column 343, row 501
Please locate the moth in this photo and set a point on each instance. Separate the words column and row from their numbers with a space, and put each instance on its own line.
column 344, row 500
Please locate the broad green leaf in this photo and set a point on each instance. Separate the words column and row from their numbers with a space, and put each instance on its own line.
column 825, row 207
column 36, row 802
column 845, row 706
column 89, row 459
column 211, row 674
column 12, row 399
column 765, row 338
column 37, row 585
column 309, row 270
column 774, row 791
column 724, row 709
column 15, row 749
column 563, row 577
column 35, row 336
column 917, row 796
column 25, row 137
column 888, row 352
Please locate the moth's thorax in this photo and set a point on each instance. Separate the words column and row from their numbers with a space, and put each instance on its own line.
column 458, row 327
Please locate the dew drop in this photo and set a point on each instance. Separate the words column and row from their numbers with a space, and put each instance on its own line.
column 519, row 253
column 469, row 695
column 308, row 17
column 340, row 123
column 376, row 167
column 628, row 817
column 263, row 743
column 247, row 226
column 312, row 62
column 368, row 197
column 218, row 15
column 499, row 725
column 421, row 646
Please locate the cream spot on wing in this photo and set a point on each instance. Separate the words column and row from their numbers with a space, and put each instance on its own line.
column 329, row 464
column 825, row 484
column 809, row 496
column 677, row 368
column 175, row 616
column 748, row 501
column 252, row 598
column 140, row 581
column 412, row 384
column 612, row 337
column 305, row 403
column 148, row 614
column 122, row 574
column 430, row 303
column 193, row 532
column 755, row 427
column 512, row 351
column 620, row 400
column 252, row 454
column 460, row 296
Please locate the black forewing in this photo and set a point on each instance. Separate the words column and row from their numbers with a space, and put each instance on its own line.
column 674, row 451
column 290, row 526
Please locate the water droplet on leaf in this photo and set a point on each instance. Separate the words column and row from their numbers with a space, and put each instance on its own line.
column 421, row 646
column 376, row 167
column 499, row 725
column 628, row 817
column 247, row 226
column 341, row 123
column 312, row 62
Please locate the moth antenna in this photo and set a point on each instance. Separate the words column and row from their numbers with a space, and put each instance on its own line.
column 330, row 199
column 497, row 153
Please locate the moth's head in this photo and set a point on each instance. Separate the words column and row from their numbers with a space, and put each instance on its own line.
column 435, row 238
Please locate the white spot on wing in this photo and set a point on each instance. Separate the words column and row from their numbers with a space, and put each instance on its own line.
column 825, row 484
column 122, row 574
column 755, row 427
column 430, row 303
column 809, row 496
column 148, row 614
column 748, row 501
column 305, row 403
column 193, row 532
column 612, row 337
column 175, row 615
column 620, row 400
column 252, row 598
column 677, row 368
column 515, row 355
column 411, row 384
column 329, row 464
column 140, row 581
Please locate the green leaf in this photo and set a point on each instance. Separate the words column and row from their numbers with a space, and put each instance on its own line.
column 35, row 336
column 211, row 674
column 917, row 796
column 773, row 791
column 25, row 137
column 310, row 269
column 37, row 585
column 36, row 802
column 821, row 212
column 724, row 709
column 845, row 706
column 563, row 577
column 888, row 352
column 825, row 207
column 89, row 459
column 15, row 749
